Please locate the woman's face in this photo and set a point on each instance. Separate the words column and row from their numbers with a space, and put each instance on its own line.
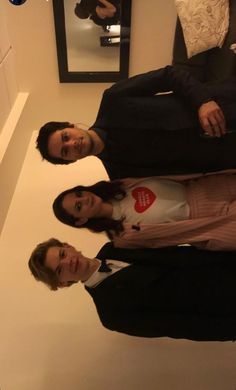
column 82, row 205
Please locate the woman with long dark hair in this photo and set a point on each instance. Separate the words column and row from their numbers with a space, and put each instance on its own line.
column 156, row 212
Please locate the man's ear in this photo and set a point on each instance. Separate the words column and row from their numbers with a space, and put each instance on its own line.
column 81, row 221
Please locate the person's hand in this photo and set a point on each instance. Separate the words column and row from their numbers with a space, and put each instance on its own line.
column 212, row 119
column 108, row 11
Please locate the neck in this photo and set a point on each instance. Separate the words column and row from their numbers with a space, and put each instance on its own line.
column 106, row 210
column 97, row 143
column 92, row 267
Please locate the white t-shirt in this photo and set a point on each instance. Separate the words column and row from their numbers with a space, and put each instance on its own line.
column 153, row 201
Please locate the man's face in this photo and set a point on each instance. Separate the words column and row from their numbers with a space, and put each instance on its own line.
column 68, row 264
column 70, row 144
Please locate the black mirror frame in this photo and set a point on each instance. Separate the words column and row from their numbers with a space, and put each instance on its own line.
column 67, row 76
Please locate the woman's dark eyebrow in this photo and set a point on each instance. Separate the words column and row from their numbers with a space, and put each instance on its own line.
column 76, row 203
column 63, row 151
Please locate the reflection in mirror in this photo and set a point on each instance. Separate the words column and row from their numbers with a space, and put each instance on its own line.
column 92, row 39
column 86, row 42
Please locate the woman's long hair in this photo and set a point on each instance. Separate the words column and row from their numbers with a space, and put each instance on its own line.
column 106, row 191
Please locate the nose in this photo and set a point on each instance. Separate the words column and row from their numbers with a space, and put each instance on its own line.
column 69, row 142
column 66, row 261
column 69, row 257
column 83, row 198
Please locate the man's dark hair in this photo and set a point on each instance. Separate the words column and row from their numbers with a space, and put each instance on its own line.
column 105, row 190
column 43, row 137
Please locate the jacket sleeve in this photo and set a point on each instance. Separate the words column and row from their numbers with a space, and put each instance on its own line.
column 168, row 256
column 176, row 325
column 194, row 231
column 166, row 79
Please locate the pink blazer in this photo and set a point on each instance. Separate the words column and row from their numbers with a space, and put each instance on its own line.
column 214, row 232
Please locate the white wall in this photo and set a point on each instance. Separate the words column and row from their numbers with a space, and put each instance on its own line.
column 8, row 83
column 54, row 340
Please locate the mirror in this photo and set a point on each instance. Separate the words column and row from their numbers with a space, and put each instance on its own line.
column 93, row 39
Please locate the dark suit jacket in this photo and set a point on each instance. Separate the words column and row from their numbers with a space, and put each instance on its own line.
column 175, row 292
column 150, row 135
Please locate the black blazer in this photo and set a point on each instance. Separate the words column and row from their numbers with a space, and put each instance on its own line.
column 149, row 135
column 178, row 292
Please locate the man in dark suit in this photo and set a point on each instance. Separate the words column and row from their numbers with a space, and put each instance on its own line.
column 139, row 134
column 177, row 292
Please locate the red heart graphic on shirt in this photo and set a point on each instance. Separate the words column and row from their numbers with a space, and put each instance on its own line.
column 144, row 198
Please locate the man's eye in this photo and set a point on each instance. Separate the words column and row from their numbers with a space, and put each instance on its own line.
column 78, row 206
column 64, row 152
column 62, row 254
column 65, row 137
column 58, row 271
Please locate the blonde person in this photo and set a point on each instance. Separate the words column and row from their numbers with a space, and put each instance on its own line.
column 168, row 292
